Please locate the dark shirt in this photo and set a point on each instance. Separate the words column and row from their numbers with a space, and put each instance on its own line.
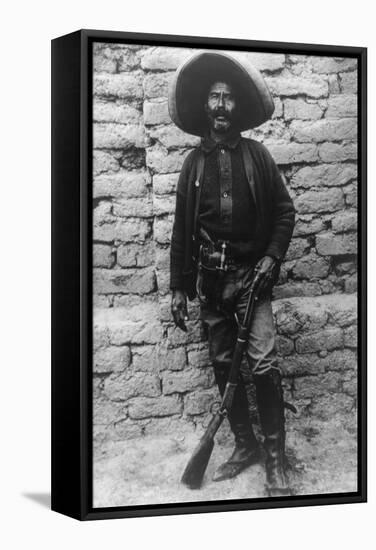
column 227, row 210
column 275, row 212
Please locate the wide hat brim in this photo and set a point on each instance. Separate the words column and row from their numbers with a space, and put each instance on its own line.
column 190, row 85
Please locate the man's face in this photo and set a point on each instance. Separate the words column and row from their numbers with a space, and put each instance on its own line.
column 220, row 107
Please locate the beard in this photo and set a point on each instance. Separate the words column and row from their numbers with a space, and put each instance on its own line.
column 220, row 120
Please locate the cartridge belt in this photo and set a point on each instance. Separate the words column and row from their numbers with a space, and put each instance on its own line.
column 215, row 256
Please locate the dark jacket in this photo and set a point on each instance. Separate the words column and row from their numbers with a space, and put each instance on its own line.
column 274, row 207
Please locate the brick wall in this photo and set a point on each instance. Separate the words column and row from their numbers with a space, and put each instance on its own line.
column 150, row 378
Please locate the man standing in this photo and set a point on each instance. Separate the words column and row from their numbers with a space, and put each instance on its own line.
column 233, row 216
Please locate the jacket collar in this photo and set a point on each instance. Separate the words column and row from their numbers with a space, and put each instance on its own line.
column 208, row 144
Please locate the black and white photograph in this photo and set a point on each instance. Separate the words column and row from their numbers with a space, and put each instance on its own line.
column 187, row 278
column 225, row 232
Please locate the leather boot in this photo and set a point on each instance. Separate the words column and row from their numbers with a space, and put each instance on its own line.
column 246, row 450
column 270, row 404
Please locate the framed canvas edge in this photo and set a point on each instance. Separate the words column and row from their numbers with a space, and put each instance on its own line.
column 214, row 42
column 65, row 311
column 87, row 511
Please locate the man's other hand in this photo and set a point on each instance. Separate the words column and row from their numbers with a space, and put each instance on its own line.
column 179, row 309
column 265, row 268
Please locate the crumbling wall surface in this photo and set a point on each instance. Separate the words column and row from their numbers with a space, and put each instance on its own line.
column 150, row 378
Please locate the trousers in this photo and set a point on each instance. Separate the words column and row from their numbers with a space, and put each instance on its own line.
column 225, row 305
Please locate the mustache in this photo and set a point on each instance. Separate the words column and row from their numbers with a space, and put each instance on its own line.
column 221, row 112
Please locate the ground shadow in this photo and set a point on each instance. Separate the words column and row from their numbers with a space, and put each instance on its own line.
column 44, row 499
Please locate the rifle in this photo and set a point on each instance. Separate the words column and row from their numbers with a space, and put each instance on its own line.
column 195, row 469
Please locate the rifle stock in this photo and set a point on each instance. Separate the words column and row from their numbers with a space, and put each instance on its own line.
column 196, row 467
column 194, row 472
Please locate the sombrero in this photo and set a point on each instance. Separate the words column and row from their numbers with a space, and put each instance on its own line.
column 191, row 82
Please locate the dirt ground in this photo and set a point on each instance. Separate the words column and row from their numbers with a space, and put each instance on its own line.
column 147, row 470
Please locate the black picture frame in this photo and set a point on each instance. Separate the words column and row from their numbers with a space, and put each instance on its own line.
column 72, row 472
